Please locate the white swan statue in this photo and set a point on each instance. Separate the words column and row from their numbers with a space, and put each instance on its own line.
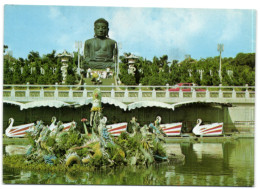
column 66, row 126
column 18, row 131
column 117, row 128
column 213, row 129
column 172, row 129
column 53, row 121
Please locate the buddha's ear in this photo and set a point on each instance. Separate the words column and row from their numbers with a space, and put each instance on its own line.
column 107, row 32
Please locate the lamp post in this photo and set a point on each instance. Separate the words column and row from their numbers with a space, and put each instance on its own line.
column 78, row 45
column 117, row 60
column 220, row 49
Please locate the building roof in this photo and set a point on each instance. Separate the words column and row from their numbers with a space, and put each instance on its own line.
column 132, row 56
column 64, row 54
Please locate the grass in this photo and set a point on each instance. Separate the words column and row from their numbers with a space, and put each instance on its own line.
column 20, row 141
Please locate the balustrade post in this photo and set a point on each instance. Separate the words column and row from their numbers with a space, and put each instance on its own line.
column 180, row 93
column 113, row 91
column 207, row 93
column 234, row 94
column 154, row 93
column 12, row 92
column 70, row 92
column 167, row 93
column 126, row 93
column 41, row 93
column 220, row 93
column 193, row 92
column 247, row 92
column 56, row 94
column 84, row 91
column 140, row 91
column 27, row 92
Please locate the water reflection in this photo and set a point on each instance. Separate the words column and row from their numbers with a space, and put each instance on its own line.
column 206, row 164
column 214, row 150
column 15, row 149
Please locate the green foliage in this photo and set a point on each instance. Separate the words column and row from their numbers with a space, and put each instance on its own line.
column 158, row 72
column 155, row 72
column 69, row 139
column 70, row 80
column 50, row 141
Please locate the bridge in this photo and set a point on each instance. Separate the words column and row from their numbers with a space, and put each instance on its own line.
column 233, row 105
column 130, row 94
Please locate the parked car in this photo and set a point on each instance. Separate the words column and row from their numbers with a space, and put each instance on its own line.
column 186, row 87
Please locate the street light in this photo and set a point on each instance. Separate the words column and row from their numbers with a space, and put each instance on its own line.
column 119, row 48
column 220, row 49
column 78, row 45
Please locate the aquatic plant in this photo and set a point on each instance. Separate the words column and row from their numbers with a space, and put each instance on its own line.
column 71, row 159
column 72, row 149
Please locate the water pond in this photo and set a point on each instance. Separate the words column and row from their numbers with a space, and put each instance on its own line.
column 206, row 164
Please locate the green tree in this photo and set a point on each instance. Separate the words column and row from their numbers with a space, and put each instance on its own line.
column 8, row 76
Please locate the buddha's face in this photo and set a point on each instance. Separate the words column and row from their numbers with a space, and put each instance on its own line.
column 101, row 30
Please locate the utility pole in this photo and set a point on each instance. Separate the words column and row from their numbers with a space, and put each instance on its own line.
column 78, row 45
column 119, row 48
column 220, row 49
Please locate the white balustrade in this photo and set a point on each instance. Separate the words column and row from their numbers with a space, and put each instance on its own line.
column 220, row 93
column 70, row 93
column 113, row 91
column 126, row 93
column 129, row 93
column 154, row 93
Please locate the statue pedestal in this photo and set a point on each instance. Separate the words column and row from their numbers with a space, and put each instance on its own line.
column 101, row 65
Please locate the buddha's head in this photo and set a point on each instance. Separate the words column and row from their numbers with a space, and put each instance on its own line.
column 101, row 28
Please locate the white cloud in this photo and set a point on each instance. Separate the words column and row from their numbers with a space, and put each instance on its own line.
column 163, row 29
column 233, row 23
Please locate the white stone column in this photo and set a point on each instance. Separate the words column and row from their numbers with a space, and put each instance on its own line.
column 247, row 92
column 71, row 93
column 113, row 91
column 167, row 93
column 27, row 92
column 126, row 93
column 154, row 93
column 220, row 93
column 41, row 93
column 234, row 94
column 180, row 94
column 140, row 91
column 207, row 94
column 13, row 93
column 56, row 94
column 84, row 91
column 193, row 92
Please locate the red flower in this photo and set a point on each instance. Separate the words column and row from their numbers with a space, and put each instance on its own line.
column 83, row 119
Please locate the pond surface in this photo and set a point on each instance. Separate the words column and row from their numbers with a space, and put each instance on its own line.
column 206, row 164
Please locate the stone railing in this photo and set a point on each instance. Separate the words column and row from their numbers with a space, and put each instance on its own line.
column 73, row 93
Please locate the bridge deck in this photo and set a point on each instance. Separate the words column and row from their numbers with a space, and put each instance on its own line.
column 129, row 94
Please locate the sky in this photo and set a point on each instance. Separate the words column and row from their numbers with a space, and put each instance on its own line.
column 145, row 32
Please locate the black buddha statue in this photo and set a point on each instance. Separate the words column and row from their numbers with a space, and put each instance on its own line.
column 100, row 52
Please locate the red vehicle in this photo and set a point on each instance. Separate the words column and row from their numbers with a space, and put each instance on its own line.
column 186, row 87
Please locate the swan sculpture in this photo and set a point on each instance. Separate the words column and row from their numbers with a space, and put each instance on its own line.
column 18, row 131
column 66, row 126
column 213, row 129
column 117, row 128
column 172, row 129
column 53, row 121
